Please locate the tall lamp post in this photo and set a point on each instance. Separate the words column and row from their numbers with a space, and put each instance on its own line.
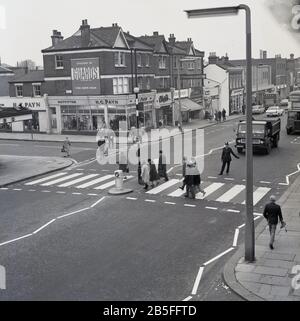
column 225, row 11
column 136, row 91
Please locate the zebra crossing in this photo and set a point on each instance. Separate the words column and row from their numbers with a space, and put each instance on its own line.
column 223, row 192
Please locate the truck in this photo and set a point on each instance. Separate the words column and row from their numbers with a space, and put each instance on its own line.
column 293, row 113
column 266, row 134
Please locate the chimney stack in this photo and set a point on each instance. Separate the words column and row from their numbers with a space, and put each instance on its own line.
column 172, row 39
column 292, row 56
column 212, row 59
column 155, row 33
column 115, row 24
column 189, row 39
column 85, row 33
column 56, row 37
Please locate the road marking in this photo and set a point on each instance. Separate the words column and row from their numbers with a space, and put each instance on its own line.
column 17, row 189
column 257, row 214
column 229, row 179
column 163, row 186
column 80, row 169
column 233, row 211
column 170, row 170
column 65, row 178
column 96, row 203
column 78, row 211
column 258, row 194
column 32, row 190
column 218, row 256
column 4, row 188
column 241, row 225
column 45, row 191
column 104, row 186
column 265, row 182
column 209, row 190
column 45, row 179
column 131, row 198
column 287, row 177
column 211, row 208
column 189, row 205
column 76, row 193
column 187, row 298
column 91, row 194
column 170, row 203
column 95, row 181
column 42, row 227
column 229, row 195
column 197, row 281
column 150, row 201
column 60, row 192
column 211, row 177
column 177, row 193
column 17, row 239
column 78, row 180
column 256, row 218
column 236, row 235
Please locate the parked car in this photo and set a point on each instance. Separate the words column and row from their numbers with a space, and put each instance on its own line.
column 274, row 111
column 258, row 109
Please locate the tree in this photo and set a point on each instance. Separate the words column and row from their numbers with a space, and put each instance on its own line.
column 28, row 63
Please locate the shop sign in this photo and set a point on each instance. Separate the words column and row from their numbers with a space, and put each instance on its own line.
column 237, row 92
column 30, row 103
column 184, row 93
column 163, row 99
column 85, row 75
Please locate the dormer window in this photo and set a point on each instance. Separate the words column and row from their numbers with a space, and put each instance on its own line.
column 19, row 90
column 36, row 90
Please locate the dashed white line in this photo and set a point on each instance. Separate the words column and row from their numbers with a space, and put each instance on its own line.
column 131, row 198
column 150, row 201
column 211, row 177
column 45, row 191
column 197, row 281
column 170, row 203
column 32, row 190
column 189, row 205
column 257, row 214
column 235, row 239
column 265, row 182
column 60, row 192
column 91, row 194
column 17, row 189
column 187, row 298
column 211, row 208
column 218, row 256
column 229, row 179
column 4, row 188
column 233, row 211
column 76, row 193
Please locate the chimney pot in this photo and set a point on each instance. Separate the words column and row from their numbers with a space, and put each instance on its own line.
column 56, row 37
column 155, row 33
column 85, row 33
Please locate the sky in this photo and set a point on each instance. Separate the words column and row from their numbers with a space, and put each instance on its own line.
column 26, row 26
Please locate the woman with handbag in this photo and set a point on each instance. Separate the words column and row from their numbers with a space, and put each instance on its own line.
column 66, row 147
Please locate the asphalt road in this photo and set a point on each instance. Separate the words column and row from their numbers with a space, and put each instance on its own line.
column 140, row 246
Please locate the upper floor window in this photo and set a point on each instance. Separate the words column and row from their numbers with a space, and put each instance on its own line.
column 147, row 60
column 59, row 63
column 139, row 60
column 19, row 90
column 162, row 62
column 120, row 85
column 190, row 65
column 163, row 82
column 36, row 90
column 120, row 59
column 148, row 83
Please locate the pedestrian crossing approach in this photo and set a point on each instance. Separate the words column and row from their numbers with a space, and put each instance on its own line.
column 223, row 192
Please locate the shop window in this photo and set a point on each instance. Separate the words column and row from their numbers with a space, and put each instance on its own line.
column 36, row 90
column 59, row 64
column 119, row 59
column 19, row 90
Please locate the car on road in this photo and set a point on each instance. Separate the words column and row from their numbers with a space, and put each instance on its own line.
column 258, row 109
column 274, row 111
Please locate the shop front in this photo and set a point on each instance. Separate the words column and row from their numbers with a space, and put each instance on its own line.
column 164, row 110
column 236, row 101
column 38, row 110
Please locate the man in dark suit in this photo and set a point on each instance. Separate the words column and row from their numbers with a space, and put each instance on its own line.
column 226, row 158
column 272, row 212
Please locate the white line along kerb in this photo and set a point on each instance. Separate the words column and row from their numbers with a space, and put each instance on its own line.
column 197, row 281
column 42, row 227
column 236, row 236
column 96, row 203
column 218, row 256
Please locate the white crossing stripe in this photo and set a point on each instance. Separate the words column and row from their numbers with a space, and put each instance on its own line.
column 209, row 190
column 62, row 179
column 177, row 193
column 229, row 195
column 45, row 179
column 78, row 180
column 258, row 194
column 109, row 184
column 95, row 181
column 163, row 186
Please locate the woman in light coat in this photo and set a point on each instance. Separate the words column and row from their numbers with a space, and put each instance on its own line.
column 146, row 174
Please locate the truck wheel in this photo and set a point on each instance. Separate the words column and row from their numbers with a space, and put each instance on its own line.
column 240, row 150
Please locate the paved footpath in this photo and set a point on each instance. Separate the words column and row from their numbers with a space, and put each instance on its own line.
column 275, row 275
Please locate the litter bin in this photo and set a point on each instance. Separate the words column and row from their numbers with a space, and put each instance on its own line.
column 119, row 179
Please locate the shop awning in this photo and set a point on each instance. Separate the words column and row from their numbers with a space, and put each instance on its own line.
column 188, row 105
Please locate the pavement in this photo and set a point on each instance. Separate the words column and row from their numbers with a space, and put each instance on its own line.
column 274, row 276
column 194, row 124
column 14, row 169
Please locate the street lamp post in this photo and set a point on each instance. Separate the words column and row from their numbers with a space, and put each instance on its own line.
column 136, row 91
column 224, row 11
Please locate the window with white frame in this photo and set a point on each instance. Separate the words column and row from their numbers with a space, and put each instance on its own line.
column 36, row 90
column 139, row 60
column 148, row 83
column 162, row 62
column 120, row 59
column 147, row 60
column 120, row 85
column 19, row 90
column 59, row 63
column 163, row 82
column 140, row 82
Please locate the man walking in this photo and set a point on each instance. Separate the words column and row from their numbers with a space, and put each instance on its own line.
column 224, row 114
column 226, row 158
column 271, row 213
column 162, row 166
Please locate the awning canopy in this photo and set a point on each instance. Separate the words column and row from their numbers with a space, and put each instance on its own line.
column 188, row 105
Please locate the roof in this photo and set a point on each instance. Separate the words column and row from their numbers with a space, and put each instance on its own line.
column 155, row 41
column 104, row 37
column 12, row 112
column 4, row 70
column 137, row 43
column 31, row 76
column 175, row 50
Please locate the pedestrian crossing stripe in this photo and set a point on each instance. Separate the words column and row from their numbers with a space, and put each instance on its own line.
column 214, row 191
